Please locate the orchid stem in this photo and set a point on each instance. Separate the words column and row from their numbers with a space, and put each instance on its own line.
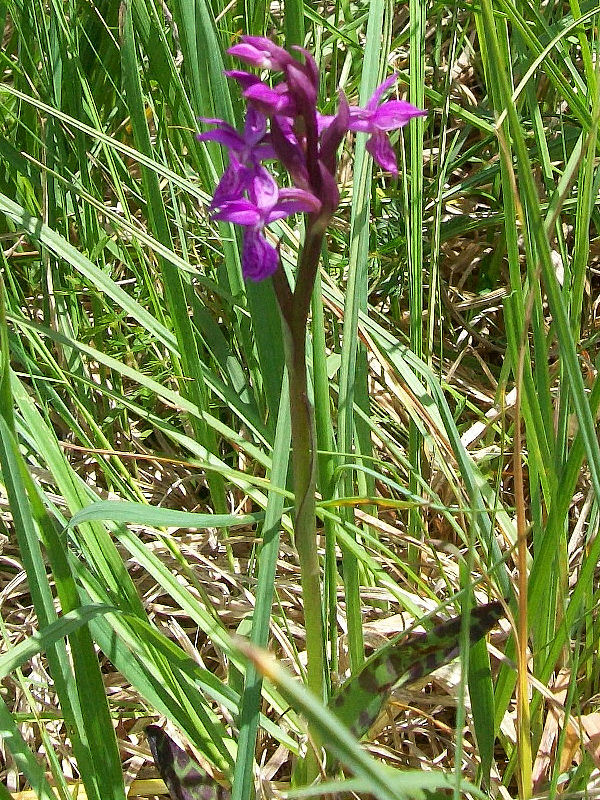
column 294, row 312
column 304, row 466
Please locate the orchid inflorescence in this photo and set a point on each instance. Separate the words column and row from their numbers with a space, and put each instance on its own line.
column 282, row 122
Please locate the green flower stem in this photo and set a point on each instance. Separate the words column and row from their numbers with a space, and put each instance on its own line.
column 294, row 309
column 304, row 465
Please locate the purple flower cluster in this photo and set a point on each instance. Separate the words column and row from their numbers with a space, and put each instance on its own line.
column 282, row 123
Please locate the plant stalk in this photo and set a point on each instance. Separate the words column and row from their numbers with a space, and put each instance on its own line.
column 294, row 310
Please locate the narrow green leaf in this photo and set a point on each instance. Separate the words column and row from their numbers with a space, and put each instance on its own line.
column 141, row 514
column 41, row 641
column 353, row 371
column 243, row 779
column 481, row 692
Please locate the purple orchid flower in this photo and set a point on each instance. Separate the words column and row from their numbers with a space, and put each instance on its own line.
column 265, row 204
column 246, row 151
column 288, row 98
column 271, row 102
column 378, row 119
column 260, row 52
column 283, row 122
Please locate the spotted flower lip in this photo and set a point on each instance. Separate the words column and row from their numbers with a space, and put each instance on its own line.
column 246, row 151
column 265, row 203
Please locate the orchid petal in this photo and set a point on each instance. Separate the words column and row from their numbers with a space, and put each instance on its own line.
column 334, row 134
column 395, row 114
column 264, row 191
column 264, row 151
column 324, row 121
column 294, row 201
column 288, row 151
column 234, row 181
column 301, row 87
column 212, row 121
column 259, row 259
column 310, row 66
column 258, row 51
column 380, row 91
column 330, row 194
column 229, row 138
column 245, row 79
column 360, row 120
column 250, row 55
column 277, row 55
column 255, row 126
column 380, row 148
column 269, row 101
column 241, row 212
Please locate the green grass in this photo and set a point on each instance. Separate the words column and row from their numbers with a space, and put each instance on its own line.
column 145, row 483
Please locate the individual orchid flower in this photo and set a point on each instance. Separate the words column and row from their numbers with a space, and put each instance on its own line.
column 246, row 151
column 266, row 203
column 260, row 52
column 377, row 119
column 271, row 102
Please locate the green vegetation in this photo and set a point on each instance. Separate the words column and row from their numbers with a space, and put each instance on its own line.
column 146, row 493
